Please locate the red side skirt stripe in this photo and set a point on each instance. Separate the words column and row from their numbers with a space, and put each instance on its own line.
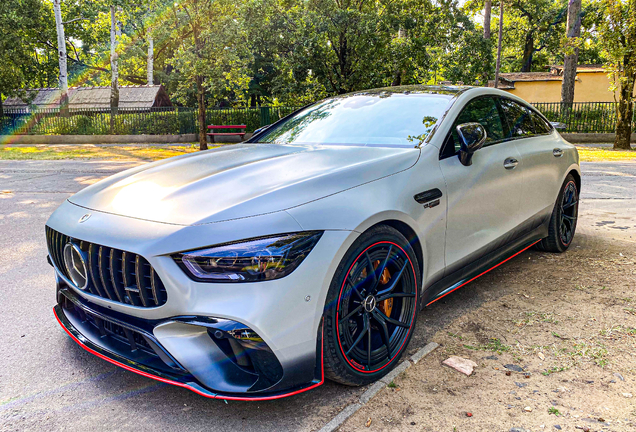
column 483, row 273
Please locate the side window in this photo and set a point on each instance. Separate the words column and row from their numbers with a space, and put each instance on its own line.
column 518, row 117
column 484, row 111
column 541, row 127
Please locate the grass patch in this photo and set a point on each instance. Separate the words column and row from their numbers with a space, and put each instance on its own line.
column 553, row 410
column 602, row 154
column 555, row 369
column 141, row 153
column 493, row 344
column 391, row 385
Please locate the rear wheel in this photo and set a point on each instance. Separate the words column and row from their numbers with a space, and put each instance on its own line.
column 563, row 220
column 371, row 307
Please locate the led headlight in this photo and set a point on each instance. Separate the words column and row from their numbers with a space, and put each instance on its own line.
column 253, row 260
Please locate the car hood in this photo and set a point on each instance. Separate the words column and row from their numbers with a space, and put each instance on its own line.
column 238, row 181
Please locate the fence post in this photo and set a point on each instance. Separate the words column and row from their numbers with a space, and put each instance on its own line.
column 264, row 120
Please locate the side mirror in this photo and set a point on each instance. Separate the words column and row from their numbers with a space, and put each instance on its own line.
column 261, row 129
column 559, row 125
column 472, row 137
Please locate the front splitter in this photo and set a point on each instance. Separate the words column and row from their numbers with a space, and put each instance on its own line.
column 142, row 370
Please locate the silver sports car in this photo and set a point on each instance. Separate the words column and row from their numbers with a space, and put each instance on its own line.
column 258, row 270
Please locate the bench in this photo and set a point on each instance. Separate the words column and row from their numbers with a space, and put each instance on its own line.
column 213, row 134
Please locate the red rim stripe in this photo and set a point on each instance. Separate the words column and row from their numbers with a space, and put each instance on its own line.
column 414, row 309
column 194, row 389
column 483, row 273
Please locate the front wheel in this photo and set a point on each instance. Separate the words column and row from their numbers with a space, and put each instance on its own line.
column 563, row 220
column 371, row 307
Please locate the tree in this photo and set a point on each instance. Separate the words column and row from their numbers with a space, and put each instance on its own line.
column 21, row 22
column 571, row 53
column 61, row 50
column 151, row 58
column 487, row 12
column 499, row 41
column 210, row 52
column 618, row 37
column 115, row 35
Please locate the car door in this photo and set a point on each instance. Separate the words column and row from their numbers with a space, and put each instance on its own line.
column 483, row 198
column 541, row 168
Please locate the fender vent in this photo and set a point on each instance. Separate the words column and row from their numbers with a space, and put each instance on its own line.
column 429, row 195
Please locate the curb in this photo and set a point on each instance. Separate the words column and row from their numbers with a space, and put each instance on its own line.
column 375, row 388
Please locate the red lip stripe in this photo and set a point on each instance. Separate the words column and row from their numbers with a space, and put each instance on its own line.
column 189, row 387
column 483, row 273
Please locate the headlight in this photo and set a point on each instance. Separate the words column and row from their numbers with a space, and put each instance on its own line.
column 259, row 259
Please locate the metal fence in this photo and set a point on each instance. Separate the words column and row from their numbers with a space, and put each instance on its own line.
column 133, row 121
column 595, row 117
column 578, row 117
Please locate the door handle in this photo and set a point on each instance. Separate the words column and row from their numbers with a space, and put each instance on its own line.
column 557, row 152
column 510, row 163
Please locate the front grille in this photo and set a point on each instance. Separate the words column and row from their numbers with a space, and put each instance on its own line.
column 113, row 274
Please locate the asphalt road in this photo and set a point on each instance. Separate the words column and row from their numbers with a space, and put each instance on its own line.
column 49, row 383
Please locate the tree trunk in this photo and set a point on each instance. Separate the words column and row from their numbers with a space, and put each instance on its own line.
column 498, row 65
column 626, row 107
column 151, row 59
column 114, row 71
column 61, row 50
column 571, row 53
column 203, row 141
column 528, row 51
column 203, row 138
column 487, row 10
column 397, row 73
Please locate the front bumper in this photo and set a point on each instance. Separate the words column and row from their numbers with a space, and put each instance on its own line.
column 85, row 325
column 285, row 313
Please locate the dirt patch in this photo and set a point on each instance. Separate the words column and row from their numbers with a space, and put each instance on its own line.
column 554, row 336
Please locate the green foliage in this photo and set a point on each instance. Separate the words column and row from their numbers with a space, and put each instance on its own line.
column 293, row 52
column 553, row 410
column 21, row 63
column 493, row 344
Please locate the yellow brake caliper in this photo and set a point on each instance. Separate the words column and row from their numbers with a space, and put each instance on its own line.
column 387, row 305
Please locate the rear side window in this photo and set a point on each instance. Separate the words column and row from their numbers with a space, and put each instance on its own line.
column 519, row 119
column 541, row 127
column 484, row 111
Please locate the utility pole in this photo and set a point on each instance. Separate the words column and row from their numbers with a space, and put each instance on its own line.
column 498, row 66
column 571, row 53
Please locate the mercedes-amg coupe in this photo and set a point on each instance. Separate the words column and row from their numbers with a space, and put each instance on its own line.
column 258, row 270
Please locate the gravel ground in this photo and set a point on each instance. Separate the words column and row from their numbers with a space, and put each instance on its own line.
column 554, row 335
column 47, row 382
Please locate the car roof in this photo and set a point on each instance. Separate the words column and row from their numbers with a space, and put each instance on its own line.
column 450, row 90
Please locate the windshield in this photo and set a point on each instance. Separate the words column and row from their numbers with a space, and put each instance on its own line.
column 385, row 119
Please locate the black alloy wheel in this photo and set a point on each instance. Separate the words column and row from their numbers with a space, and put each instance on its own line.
column 375, row 309
column 569, row 213
column 562, row 225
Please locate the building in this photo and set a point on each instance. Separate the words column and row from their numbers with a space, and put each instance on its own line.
column 138, row 96
column 592, row 84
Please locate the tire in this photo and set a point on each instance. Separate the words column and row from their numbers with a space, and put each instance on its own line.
column 562, row 226
column 376, row 300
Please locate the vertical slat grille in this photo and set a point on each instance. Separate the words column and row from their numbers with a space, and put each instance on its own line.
column 113, row 274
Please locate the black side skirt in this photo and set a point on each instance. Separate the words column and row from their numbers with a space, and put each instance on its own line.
column 465, row 274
